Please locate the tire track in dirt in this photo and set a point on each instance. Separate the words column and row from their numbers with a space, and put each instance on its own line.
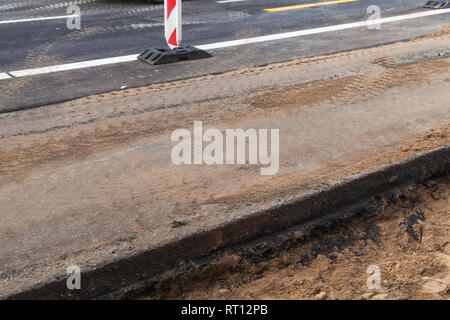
column 350, row 90
column 346, row 91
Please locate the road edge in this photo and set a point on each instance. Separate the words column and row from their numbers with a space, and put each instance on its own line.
column 123, row 272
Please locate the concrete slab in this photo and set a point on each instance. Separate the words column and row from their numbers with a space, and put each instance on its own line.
column 91, row 183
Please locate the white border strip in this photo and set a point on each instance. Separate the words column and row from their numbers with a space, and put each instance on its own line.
column 4, row 76
column 39, row 19
column 218, row 45
column 73, row 66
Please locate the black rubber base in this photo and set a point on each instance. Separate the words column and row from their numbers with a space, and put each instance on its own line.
column 437, row 4
column 182, row 53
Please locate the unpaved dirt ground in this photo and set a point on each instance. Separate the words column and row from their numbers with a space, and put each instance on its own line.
column 408, row 239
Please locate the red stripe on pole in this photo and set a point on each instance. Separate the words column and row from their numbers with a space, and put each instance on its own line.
column 170, row 5
column 173, row 38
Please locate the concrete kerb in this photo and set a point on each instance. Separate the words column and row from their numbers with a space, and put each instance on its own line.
column 112, row 276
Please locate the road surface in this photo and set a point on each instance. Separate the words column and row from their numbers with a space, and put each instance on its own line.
column 34, row 35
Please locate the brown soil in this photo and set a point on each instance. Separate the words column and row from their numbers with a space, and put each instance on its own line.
column 408, row 239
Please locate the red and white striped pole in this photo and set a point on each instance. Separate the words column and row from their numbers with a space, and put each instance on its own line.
column 172, row 22
column 172, row 32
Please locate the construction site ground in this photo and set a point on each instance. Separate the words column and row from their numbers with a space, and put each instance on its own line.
column 90, row 182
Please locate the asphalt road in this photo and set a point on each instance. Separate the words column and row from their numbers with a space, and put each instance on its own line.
column 115, row 28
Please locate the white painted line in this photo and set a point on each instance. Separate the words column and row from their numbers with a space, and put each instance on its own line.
column 73, row 66
column 218, row 45
column 4, row 76
column 228, row 1
column 39, row 19
column 293, row 34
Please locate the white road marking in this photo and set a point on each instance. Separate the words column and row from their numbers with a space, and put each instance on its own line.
column 294, row 34
column 4, row 76
column 73, row 66
column 39, row 19
column 146, row 25
column 227, row 1
column 50, row 6
column 219, row 45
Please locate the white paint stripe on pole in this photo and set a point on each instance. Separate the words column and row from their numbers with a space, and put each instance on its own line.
column 100, row 62
column 294, row 34
column 73, row 66
column 39, row 19
column 4, row 76
column 173, row 22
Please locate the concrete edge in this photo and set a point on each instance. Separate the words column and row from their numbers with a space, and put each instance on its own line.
column 151, row 262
